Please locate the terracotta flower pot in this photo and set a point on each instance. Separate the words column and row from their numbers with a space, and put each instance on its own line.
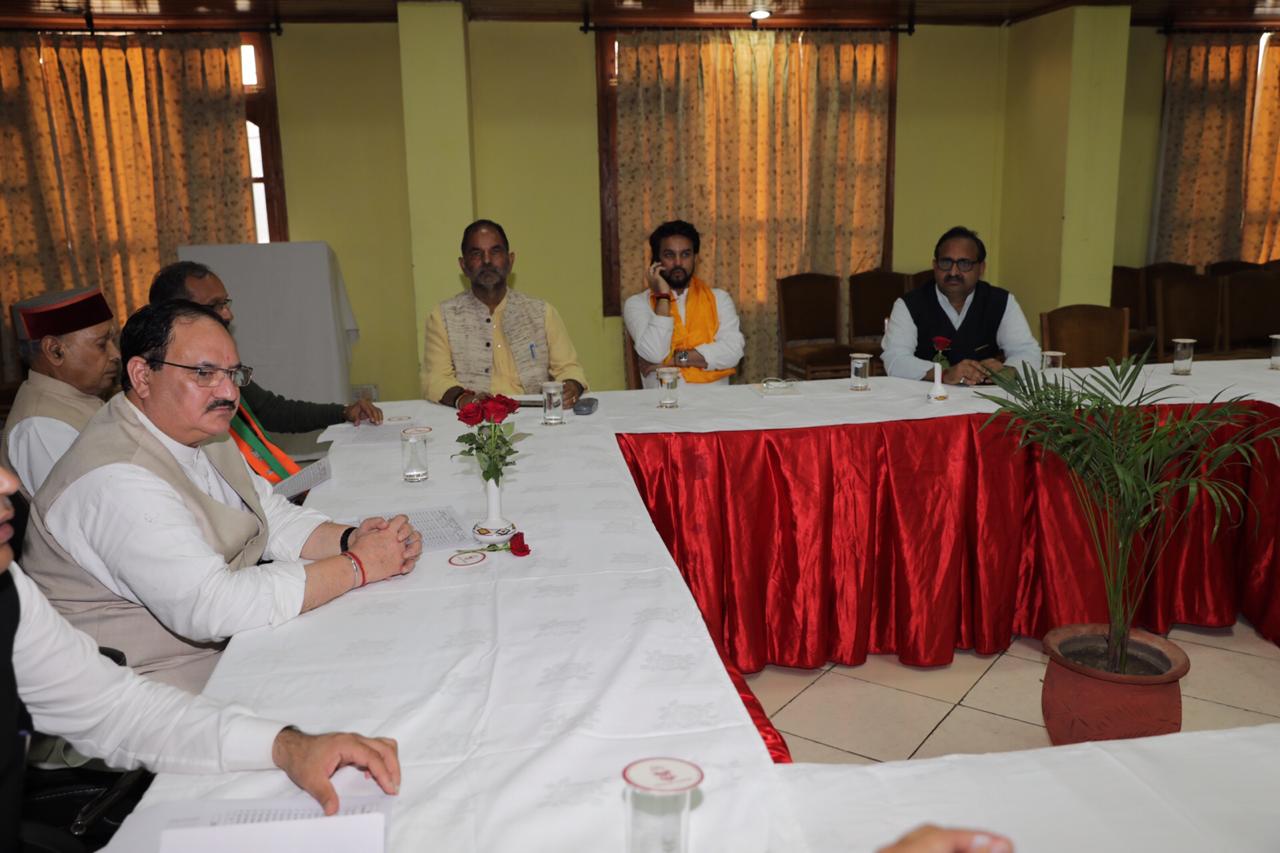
column 1081, row 703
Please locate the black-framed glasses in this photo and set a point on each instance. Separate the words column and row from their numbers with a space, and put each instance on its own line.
column 219, row 304
column 207, row 376
column 964, row 264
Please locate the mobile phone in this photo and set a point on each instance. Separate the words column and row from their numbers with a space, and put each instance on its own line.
column 585, row 406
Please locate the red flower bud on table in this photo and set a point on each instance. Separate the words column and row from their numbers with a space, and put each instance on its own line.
column 940, row 343
column 495, row 411
column 518, row 547
column 471, row 414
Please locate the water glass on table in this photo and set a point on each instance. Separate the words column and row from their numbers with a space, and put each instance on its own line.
column 1051, row 362
column 668, row 383
column 553, row 403
column 1184, row 350
column 659, row 795
column 859, row 371
column 1275, row 352
column 413, row 453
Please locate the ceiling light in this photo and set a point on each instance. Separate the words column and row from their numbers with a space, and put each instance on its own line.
column 759, row 14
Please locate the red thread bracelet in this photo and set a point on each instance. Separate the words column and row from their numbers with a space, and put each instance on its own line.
column 351, row 555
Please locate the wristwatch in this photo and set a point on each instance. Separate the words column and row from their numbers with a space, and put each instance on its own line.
column 682, row 357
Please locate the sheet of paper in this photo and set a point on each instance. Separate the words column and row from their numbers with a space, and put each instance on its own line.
column 440, row 526
column 337, row 834
column 387, row 432
column 788, row 390
column 305, row 480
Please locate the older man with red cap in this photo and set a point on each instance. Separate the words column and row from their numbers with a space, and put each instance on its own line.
column 68, row 340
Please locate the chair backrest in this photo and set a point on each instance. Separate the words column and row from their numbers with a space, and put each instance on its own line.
column 1127, row 292
column 21, row 512
column 1187, row 306
column 1218, row 269
column 808, row 308
column 1251, row 306
column 920, row 279
column 1088, row 334
column 1149, row 275
column 630, row 363
column 871, row 298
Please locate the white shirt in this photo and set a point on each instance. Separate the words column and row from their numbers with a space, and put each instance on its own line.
column 131, row 531
column 34, row 445
column 900, row 337
column 651, row 333
column 111, row 712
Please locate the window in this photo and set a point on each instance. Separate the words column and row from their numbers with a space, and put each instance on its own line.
column 263, row 125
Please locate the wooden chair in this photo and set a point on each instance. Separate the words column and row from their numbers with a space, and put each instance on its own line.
column 1187, row 306
column 1149, row 274
column 630, row 361
column 1222, row 269
column 919, row 279
column 808, row 327
column 1127, row 291
column 1088, row 334
column 871, row 298
column 1251, row 308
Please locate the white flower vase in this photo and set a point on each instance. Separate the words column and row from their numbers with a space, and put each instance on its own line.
column 495, row 529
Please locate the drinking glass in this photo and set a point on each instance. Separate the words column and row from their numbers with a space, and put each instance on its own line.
column 553, row 403
column 659, row 794
column 1051, row 362
column 1275, row 352
column 1183, row 351
column 668, row 381
column 859, row 371
column 413, row 453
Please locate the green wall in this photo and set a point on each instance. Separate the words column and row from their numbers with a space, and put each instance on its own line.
column 342, row 136
column 1140, row 149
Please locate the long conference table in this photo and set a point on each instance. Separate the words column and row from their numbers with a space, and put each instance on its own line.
column 519, row 688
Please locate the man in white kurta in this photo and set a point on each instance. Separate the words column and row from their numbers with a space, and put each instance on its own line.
column 679, row 320
column 152, row 535
column 68, row 341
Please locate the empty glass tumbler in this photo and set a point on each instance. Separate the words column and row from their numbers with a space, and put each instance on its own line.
column 413, row 453
column 1184, row 349
column 1275, row 352
column 659, row 795
column 1051, row 362
column 553, row 403
column 859, row 371
column 668, row 384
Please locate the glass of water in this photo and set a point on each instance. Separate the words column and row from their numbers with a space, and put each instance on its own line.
column 1275, row 352
column 859, row 371
column 659, row 795
column 553, row 403
column 413, row 453
column 668, row 382
column 1051, row 362
column 1184, row 349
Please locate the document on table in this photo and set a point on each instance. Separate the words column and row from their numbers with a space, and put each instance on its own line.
column 440, row 526
column 281, row 826
column 387, row 432
column 303, row 481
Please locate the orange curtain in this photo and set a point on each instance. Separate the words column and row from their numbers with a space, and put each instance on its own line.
column 114, row 151
column 774, row 144
column 1209, row 96
column 1261, row 241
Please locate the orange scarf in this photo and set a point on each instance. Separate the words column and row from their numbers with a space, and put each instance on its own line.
column 698, row 328
column 266, row 460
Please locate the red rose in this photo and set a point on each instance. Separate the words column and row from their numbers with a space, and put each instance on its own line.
column 940, row 343
column 495, row 411
column 512, row 405
column 518, row 547
column 471, row 414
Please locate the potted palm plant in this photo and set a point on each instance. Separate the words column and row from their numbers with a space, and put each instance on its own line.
column 1136, row 468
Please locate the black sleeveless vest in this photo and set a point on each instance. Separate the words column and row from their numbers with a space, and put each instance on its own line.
column 976, row 337
column 13, row 719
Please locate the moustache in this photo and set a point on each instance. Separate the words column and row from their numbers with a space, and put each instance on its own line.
column 955, row 278
column 221, row 404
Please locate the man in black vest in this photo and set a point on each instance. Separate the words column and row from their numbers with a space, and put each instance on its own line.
column 971, row 327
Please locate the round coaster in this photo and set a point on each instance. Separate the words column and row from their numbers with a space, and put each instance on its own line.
column 395, row 420
column 468, row 559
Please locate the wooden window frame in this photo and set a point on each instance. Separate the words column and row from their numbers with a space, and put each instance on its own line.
column 261, row 109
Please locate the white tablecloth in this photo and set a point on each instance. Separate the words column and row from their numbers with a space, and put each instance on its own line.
column 520, row 688
column 1184, row 793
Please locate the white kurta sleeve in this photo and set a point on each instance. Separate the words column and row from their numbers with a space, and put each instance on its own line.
column 899, row 345
column 35, row 445
column 290, row 525
column 1014, row 337
column 132, row 532
column 650, row 332
column 726, row 350
column 111, row 712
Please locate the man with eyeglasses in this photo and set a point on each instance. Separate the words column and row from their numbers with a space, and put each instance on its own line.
column 973, row 328
column 260, row 410
column 152, row 535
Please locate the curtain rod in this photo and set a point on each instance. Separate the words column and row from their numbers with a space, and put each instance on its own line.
column 589, row 27
column 116, row 24
column 1194, row 27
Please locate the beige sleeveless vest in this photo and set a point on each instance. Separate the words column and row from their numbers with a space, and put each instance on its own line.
column 117, row 435
column 524, row 323
column 43, row 396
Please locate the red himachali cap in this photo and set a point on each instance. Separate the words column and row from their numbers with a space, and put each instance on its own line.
column 59, row 313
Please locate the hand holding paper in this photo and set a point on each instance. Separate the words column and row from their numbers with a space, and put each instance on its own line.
column 310, row 761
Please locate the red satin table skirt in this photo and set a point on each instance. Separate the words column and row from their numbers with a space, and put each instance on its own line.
column 916, row 538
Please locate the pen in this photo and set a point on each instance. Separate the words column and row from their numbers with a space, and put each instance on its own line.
column 532, row 354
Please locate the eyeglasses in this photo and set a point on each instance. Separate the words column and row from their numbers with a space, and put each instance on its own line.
column 207, row 377
column 219, row 304
column 964, row 264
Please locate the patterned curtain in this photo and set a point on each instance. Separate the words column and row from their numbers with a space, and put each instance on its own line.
column 1261, row 242
column 774, row 144
column 1208, row 111
column 114, row 151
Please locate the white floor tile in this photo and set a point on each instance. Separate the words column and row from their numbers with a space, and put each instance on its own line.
column 775, row 686
column 948, row 683
column 805, row 751
column 969, row 731
column 1243, row 681
column 1011, row 688
column 1028, row 648
column 1199, row 715
column 1240, row 637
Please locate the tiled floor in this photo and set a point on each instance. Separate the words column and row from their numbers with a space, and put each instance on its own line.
column 884, row 710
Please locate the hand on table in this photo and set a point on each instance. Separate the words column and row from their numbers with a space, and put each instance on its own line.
column 363, row 410
column 310, row 760
column 933, row 839
column 392, row 549
column 967, row 372
column 572, row 391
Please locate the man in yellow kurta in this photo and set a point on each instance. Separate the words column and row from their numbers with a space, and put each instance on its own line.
column 679, row 319
column 492, row 339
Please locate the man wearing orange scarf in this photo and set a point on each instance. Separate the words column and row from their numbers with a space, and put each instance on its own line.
column 680, row 320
